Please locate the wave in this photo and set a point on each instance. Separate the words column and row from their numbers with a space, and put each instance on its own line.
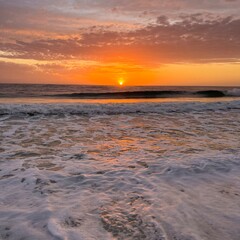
column 151, row 94
column 206, row 166
column 116, row 108
column 233, row 92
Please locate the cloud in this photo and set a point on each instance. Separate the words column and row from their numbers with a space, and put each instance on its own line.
column 139, row 5
column 57, row 39
column 188, row 38
column 121, row 31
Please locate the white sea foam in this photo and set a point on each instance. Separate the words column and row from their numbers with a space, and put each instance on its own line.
column 233, row 92
column 117, row 108
column 120, row 171
column 55, row 229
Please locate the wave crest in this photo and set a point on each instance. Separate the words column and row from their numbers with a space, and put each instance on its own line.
column 143, row 94
column 115, row 108
column 233, row 92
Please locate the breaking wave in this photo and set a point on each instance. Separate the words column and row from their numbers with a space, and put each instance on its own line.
column 152, row 94
column 115, row 108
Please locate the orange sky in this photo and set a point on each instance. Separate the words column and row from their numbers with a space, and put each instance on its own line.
column 156, row 42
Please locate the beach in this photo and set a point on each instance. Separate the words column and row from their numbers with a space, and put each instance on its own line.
column 142, row 169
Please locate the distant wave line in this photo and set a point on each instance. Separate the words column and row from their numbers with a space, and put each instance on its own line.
column 144, row 94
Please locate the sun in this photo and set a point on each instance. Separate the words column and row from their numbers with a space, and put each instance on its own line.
column 121, row 81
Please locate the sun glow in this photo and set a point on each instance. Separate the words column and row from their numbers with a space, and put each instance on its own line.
column 121, row 81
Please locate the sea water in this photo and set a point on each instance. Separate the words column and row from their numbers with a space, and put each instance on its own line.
column 152, row 169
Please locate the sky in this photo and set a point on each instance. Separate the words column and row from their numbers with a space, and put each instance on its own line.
column 140, row 42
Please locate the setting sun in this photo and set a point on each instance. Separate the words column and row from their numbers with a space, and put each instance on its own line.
column 120, row 115
column 121, row 81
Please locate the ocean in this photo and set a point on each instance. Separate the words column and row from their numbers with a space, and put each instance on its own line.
column 103, row 162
